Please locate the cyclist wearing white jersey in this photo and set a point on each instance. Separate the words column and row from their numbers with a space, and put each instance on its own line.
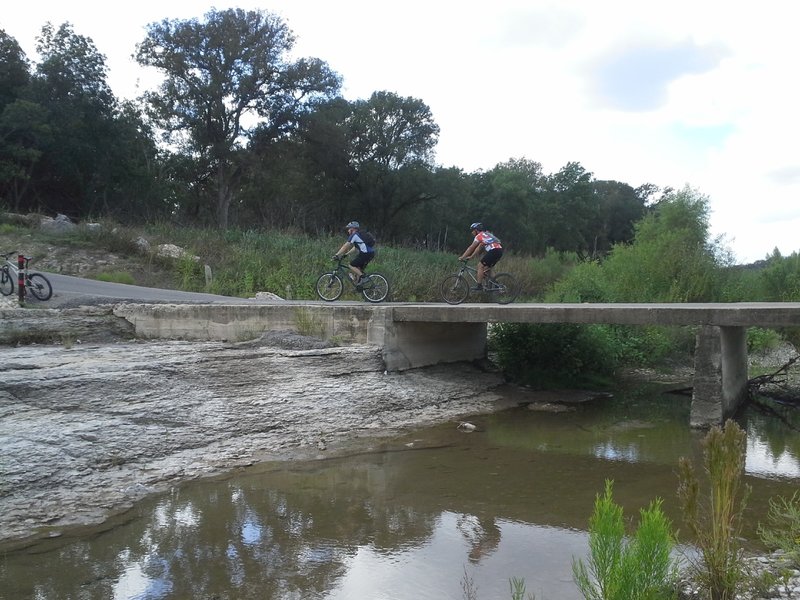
column 485, row 243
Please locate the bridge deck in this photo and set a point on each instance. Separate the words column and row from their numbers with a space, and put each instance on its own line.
column 739, row 314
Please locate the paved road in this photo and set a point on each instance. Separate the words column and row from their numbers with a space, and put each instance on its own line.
column 68, row 290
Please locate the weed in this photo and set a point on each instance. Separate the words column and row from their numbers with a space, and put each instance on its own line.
column 307, row 324
column 759, row 339
column 517, row 586
column 618, row 569
column 116, row 277
column 716, row 522
column 782, row 530
column 189, row 272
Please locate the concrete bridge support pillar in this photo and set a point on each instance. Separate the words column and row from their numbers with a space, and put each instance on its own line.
column 720, row 374
column 410, row 344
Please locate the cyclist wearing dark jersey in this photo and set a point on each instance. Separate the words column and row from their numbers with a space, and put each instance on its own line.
column 354, row 242
column 489, row 246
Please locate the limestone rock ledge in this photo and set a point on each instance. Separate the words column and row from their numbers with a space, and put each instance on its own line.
column 62, row 326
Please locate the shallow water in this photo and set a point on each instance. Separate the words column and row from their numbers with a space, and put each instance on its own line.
column 422, row 516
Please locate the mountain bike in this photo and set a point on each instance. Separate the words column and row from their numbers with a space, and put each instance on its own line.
column 456, row 287
column 35, row 283
column 373, row 286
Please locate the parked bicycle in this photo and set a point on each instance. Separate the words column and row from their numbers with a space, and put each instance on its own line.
column 373, row 286
column 35, row 283
column 456, row 287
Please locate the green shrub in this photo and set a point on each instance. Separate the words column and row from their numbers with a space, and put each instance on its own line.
column 621, row 568
column 716, row 522
column 584, row 283
column 782, row 530
column 549, row 354
column 760, row 340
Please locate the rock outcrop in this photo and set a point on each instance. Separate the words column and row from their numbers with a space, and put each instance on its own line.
column 89, row 429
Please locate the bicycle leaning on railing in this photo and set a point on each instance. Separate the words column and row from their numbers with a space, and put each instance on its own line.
column 456, row 287
column 373, row 286
column 35, row 283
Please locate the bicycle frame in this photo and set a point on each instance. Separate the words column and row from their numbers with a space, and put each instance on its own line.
column 12, row 268
column 345, row 273
column 472, row 272
column 373, row 286
column 456, row 287
column 36, row 283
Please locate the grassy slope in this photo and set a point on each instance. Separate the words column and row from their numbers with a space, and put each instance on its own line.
column 242, row 262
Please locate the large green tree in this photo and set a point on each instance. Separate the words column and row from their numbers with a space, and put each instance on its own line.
column 23, row 124
column 509, row 204
column 73, row 174
column 619, row 207
column 302, row 180
column 392, row 149
column 224, row 76
column 671, row 258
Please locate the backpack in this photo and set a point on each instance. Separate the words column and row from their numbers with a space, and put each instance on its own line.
column 367, row 238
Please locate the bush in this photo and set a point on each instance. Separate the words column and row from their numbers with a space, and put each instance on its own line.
column 636, row 568
column 782, row 531
column 549, row 354
column 760, row 340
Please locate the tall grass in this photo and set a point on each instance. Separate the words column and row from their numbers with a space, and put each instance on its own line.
column 247, row 261
column 716, row 519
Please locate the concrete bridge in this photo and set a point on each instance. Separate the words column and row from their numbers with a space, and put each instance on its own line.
column 416, row 335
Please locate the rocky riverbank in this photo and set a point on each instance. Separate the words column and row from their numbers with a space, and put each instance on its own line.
column 88, row 429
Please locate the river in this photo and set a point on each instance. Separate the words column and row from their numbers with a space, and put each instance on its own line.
column 434, row 512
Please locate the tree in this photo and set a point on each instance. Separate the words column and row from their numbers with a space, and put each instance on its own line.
column 23, row 128
column 303, row 180
column 619, row 207
column 569, row 209
column 392, row 131
column 24, row 132
column 392, row 141
column 224, row 76
column 509, row 204
column 14, row 75
column 73, row 173
column 671, row 258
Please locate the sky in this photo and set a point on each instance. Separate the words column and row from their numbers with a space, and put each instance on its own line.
column 699, row 93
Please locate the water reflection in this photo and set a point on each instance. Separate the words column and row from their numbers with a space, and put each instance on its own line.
column 412, row 520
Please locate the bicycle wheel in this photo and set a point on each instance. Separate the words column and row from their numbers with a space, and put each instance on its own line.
column 374, row 287
column 329, row 287
column 455, row 289
column 505, row 288
column 6, row 283
column 39, row 286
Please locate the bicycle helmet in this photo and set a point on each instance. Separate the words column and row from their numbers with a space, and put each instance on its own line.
column 478, row 226
column 352, row 224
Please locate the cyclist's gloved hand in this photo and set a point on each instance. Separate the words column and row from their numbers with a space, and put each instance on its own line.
column 336, row 257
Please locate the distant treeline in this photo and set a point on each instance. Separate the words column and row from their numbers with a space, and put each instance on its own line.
column 241, row 135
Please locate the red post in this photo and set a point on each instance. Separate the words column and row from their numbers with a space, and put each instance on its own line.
column 21, row 278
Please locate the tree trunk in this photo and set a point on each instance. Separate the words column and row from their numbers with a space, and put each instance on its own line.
column 223, row 197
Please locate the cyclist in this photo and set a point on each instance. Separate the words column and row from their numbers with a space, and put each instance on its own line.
column 487, row 245
column 366, row 252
